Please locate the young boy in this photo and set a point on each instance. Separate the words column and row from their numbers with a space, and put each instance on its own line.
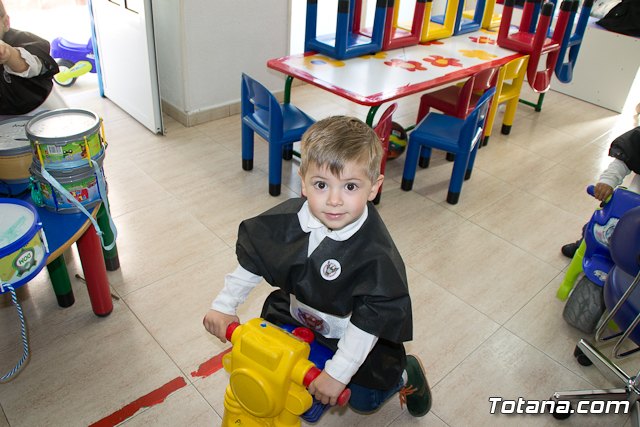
column 27, row 69
column 625, row 150
column 337, row 271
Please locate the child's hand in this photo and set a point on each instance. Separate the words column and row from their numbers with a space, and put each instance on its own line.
column 216, row 323
column 602, row 191
column 326, row 389
column 5, row 52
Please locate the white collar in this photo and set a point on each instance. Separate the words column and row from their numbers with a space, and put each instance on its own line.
column 310, row 223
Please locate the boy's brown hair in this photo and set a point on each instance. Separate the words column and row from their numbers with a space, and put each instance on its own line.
column 335, row 141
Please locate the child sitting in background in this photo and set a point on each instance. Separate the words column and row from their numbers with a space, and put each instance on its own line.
column 337, row 271
column 27, row 74
column 625, row 151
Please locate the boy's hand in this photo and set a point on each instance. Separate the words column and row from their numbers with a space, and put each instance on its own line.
column 602, row 191
column 216, row 323
column 326, row 389
column 5, row 52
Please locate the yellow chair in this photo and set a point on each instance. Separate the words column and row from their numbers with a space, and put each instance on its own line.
column 513, row 71
column 432, row 30
column 489, row 19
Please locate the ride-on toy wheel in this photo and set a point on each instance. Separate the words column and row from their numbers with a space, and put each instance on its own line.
column 64, row 65
column 584, row 306
column 581, row 357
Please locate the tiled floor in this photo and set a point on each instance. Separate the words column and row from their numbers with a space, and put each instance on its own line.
column 483, row 273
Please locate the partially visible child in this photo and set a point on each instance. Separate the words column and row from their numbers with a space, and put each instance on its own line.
column 337, row 271
column 26, row 75
column 625, row 151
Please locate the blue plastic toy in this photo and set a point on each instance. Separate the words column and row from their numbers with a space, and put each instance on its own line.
column 585, row 303
column 74, row 60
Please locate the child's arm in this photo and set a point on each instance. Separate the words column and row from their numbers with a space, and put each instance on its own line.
column 19, row 61
column 610, row 179
column 237, row 286
column 353, row 349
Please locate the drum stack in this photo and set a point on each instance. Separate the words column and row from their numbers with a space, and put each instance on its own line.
column 68, row 148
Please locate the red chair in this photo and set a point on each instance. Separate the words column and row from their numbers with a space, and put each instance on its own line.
column 396, row 36
column 383, row 130
column 459, row 101
column 535, row 44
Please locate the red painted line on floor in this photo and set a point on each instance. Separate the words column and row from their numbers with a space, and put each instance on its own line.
column 155, row 397
column 210, row 366
column 160, row 394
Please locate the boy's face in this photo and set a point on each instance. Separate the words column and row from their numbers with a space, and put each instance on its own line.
column 338, row 201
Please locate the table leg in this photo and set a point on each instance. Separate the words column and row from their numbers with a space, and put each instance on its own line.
column 371, row 114
column 60, row 281
column 111, row 259
column 536, row 106
column 95, row 272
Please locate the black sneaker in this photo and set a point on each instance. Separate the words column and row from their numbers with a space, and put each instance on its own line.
column 416, row 393
column 569, row 250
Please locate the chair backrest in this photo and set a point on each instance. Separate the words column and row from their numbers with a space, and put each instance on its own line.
column 473, row 127
column 625, row 242
column 479, row 82
column 514, row 71
column 261, row 106
column 383, row 130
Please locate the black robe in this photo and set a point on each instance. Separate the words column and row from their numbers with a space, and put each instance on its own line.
column 371, row 285
column 19, row 95
column 626, row 147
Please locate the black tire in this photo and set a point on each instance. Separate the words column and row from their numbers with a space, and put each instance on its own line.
column 581, row 357
column 584, row 306
column 64, row 64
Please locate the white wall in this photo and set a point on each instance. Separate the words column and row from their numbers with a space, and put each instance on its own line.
column 203, row 46
column 169, row 35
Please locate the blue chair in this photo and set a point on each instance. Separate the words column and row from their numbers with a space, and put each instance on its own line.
column 349, row 40
column 622, row 300
column 279, row 124
column 572, row 41
column 460, row 137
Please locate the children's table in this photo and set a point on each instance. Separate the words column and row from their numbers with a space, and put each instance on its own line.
column 372, row 80
column 62, row 231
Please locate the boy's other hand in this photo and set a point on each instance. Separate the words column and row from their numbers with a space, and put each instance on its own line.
column 326, row 389
column 602, row 191
column 5, row 52
column 216, row 323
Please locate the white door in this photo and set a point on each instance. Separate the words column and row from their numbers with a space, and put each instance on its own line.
column 126, row 48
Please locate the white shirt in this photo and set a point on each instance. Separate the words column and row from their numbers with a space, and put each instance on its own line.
column 354, row 344
column 616, row 173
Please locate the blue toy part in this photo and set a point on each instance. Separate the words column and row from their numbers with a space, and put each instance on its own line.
column 319, row 355
column 597, row 261
column 73, row 52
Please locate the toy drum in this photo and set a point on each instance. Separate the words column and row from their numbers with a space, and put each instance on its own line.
column 65, row 138
column 81, row 182
column 23, row 248
column 15, row 156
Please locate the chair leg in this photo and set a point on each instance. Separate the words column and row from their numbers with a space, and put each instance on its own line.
column 247, row 148
column 450, row 157
column 275, row 169
column 509, row 115
column 410, row 163
column 425, row 157
column 471, row 161
column 287, row 152
column 457, row 177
